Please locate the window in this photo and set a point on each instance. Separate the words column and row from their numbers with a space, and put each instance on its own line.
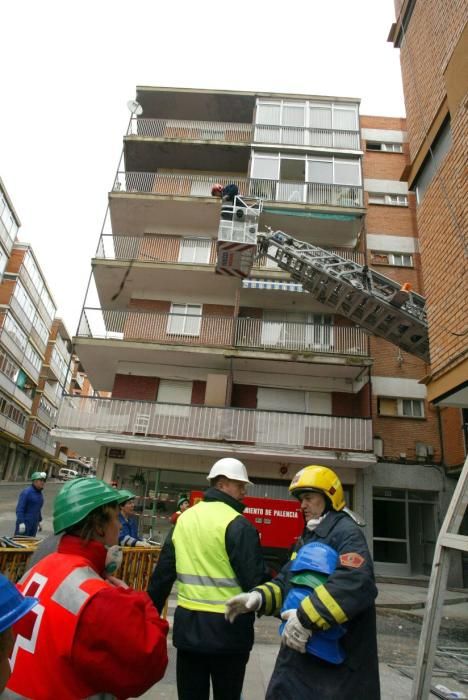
column 24, row 300
column 3, row 262
column 15, row 332
column 185, row 319
column 388, row 147
column 9, row 410
column 33, row 357
column 38, row 282
column 396, row 259
column 402, row 408
column 9, row 368
column 175, row 392
column 195, row 250
column 439, row 149
column 297, row 330
column 398, row 200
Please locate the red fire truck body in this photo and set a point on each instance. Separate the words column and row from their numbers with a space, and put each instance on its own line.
column 279, row 524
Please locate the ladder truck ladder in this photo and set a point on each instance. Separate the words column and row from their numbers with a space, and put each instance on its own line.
column 371, row 300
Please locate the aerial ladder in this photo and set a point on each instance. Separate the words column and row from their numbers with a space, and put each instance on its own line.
column 374, row 302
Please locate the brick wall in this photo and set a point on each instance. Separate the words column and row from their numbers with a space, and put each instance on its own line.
column 6, row 290
column 395, row 221
column 390, row 362
column 131, row 386
column 15, row 260
column 373, row 122
column 382, row 165
column 442, row 254
column 351, row 405
column 400, row 435
column 157, row 305
column 431, row 36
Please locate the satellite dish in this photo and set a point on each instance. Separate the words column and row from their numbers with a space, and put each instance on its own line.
column 135, row 107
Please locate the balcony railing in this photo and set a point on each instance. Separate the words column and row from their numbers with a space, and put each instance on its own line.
column 173, row 184
column 182, row 129
column 47, row 444
column 305, row 136
column 206, row 423
column 161, row 249
column 220, row 331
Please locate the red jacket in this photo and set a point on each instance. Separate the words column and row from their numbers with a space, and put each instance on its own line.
column 86, row 636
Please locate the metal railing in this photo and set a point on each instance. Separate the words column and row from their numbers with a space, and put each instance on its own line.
column 255, row 427
column 183, row 129
column 174, row 184
column 221, row 331
column 306, row 136
column 159, row 248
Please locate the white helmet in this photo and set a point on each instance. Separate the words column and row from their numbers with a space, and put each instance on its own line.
column 230, row 468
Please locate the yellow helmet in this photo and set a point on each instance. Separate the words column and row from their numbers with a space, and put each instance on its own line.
column 321, row 480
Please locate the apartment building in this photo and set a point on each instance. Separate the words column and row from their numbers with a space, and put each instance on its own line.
column 31, row 350
column 203, row 365
column 433, row 41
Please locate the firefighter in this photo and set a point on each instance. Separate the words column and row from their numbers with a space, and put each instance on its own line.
column 29, row 506
column 90, row 634
column 213, row 552
column 345, row 599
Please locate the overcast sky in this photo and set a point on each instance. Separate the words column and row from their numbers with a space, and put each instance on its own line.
column 69, row 68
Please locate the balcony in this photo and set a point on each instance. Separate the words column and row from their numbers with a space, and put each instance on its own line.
column 11, row 389
column 214, row 342
column 261, row 429
column 43, row 441
column 186, row 199
column 11, row 427
column 174, row 143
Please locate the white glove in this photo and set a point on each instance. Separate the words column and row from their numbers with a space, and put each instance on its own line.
column 242, row 603
column 294, row 634
column 21, row 529
column 142, row 543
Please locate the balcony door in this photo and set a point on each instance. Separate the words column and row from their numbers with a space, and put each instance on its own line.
column 297, row 330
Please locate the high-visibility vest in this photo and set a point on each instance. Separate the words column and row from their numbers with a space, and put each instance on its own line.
column 40, row 661
column 205, row 577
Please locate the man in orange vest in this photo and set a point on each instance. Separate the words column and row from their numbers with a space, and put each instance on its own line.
column 90, row 633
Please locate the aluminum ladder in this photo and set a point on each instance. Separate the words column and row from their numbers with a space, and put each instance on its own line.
column 373, row 301
column 448, row 539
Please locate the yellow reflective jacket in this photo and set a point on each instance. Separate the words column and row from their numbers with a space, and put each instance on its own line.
column 205, row 577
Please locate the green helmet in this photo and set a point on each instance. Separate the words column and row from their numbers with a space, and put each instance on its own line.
column 125, row 496
column 78, row 498
column 36, row 476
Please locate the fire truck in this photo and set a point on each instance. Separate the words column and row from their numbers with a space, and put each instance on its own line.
column 279, row 524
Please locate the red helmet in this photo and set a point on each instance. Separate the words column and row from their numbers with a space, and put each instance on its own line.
column 216, row 190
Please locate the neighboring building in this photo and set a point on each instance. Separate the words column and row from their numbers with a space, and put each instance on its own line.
column 203, row 365
column 31, row 347
column 433, row 42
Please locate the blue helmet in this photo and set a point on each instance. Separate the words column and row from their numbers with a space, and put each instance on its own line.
column 13, row 605
column 315, row 556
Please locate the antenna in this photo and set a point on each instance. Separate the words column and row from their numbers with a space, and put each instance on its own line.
column 135, row 107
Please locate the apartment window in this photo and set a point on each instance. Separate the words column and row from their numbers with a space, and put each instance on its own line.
column 38, row 282
column 402, row 408
column 7, row 218
column 439, row 149
column 195, row 250
column 15, row 332
column 60, row 362
column 8, row 367
column 396, row 259
column 175, row 392
column 9, row 410
column 396, row 200
column 3, row 262
column 24, row 300
column 386, row 147
column 41, row 329
column 33, row 357
column 327, row 170
column 47, row 408
column 185, row 319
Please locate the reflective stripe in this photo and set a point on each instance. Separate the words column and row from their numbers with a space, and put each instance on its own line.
column 267, row 596
column 330, row 603
column 208, row 581
column 69, row 594
column 277, row 596
column 309, row 609
column 181, row 600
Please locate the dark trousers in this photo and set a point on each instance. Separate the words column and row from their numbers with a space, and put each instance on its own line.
column 194, row 671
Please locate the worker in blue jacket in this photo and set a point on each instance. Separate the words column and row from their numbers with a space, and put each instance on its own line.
column 343, row 605
column 29, row 506
column 128, row 536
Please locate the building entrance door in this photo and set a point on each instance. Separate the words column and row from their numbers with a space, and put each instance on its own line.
column 405, row 531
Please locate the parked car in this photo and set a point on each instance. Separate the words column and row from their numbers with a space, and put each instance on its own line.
column 66, row 474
